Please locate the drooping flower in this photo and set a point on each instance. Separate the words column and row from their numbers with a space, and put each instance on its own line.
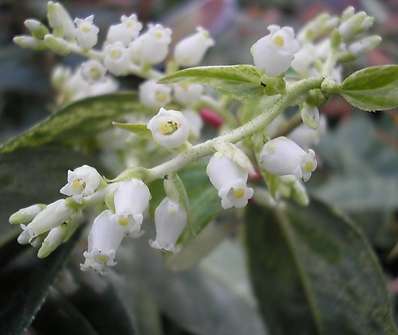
column 307, row 137
column 188, row 94
column 82, row 181
column 154, row 95
column 116, row 58
column 151, row 47
column 191, row 50
column 104, row 240
column 281, row 156
column 170, row 220
column 86, row 32
column 230, row 180
column 169, row 128
column 131, row 200
column 125, row 31
column 274, row 52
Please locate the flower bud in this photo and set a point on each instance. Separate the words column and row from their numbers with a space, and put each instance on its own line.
column 297, row 190
column 116, row 58
column 36, row 28
column 154, row 95
column 82, row 181
column 60, row 20
column 131, row 199
column 230, row 180
column 57, row 44
column 187, row 94
column 303, row 59
column 310, row 115
column 151, row 47
column 26, row 215
column 274, row 52
column 59, row 76
column 356, row 24
column 281, row 156
column 191, row 50
column 365, row 45
column 317, row 27
column 170, row 220
column 307, row 137
column 52, row 216
column 86, row 32
column 93, row 71
column 124, row 32
column 169, row 128
column 347, row 13
column 104, row 239
column 28, row 42
column 195, row 122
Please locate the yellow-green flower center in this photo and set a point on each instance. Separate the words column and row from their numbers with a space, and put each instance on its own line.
column 279, row 41
column 123, row 221
column 78, row 185
column 238, row 192
column 168, row 127
column 103, row 259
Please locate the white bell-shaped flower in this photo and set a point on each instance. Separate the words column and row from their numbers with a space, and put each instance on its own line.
column 230, row 181
column 307, row 137
column 152, row 46
column 104, row 240
column 281, row 156
column 188, row 94
column 116, row 58
column 52, row 216
column 93, row 71
column 303, row 59
column 126, row 31
column 274, row 52
column 86, row 32
column 195, row 122
column 191, row 50
column 170, row 220
column 60, row 20
column 82, row 181
column 154, row 95
column 169, row 128
column 131, row 200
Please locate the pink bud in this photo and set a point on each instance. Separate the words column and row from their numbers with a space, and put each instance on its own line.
column 210, row 117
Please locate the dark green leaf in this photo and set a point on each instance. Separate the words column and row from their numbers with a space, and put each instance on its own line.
column 314, row 273
column 372, row 88
column 240, row 81
column 77, row 121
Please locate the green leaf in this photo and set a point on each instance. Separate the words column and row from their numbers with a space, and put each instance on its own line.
column 77, row 121
column 313, row 272
column 240, row 81
column 372, row 88
column 139, row 129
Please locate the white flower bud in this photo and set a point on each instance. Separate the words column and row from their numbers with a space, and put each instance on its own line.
column 82, row 181
column 187, row 94
column 93, row 71
column 116, row 58
column 170, row 220
column 154, row 95
column 274, row 52
column 303, row 59
column 169, row 128
column 104, row 239
column 36, row 28
column 151, row 47
column 52, row 216
column 86, row 32
column 195, row 122
column 60, row 20
column 124, row 32
column 28, row 42
column 131, row 200
column 364, row 45
column 59, row 76
column 57, row 44
column 356, row 24
column 191, row 50
column 26, row 215
column 307, row 137
column 230, row 181
column 347, row 13
column 297, row 190
column 310, row 115
column 281, row 156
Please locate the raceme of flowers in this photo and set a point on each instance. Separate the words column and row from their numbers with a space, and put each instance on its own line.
column 129, row 48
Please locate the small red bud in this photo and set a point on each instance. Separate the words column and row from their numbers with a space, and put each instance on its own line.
column 210, row 117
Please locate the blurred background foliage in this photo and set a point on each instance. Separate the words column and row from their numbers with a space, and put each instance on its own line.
column 358, row 174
